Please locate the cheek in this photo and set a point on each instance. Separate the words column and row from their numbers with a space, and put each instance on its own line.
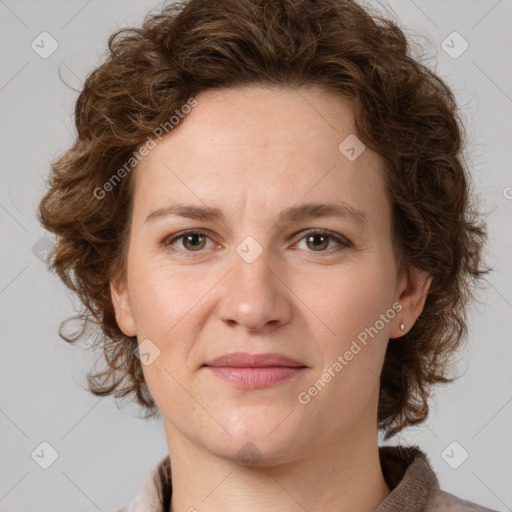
column 353, row 346
column 162, row 295
column 352, row 299
column 170, row 308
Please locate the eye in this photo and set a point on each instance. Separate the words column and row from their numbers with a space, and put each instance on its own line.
column 191, row 241
column 319, row 240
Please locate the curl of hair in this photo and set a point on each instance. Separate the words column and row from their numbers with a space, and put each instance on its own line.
column 403, row 111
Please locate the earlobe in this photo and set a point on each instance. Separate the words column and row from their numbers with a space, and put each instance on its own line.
column 122, row 307
column 412, row 299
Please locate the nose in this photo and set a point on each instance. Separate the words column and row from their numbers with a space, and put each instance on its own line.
column 254, row 295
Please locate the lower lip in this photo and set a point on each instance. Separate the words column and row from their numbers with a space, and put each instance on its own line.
column 254, row 378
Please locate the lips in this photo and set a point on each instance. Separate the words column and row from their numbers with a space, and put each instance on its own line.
column 245, row 360
column 253, row 371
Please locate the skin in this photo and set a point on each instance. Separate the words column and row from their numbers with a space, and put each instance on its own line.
column 253, row 152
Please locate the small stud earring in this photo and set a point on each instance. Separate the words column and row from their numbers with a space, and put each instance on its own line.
column 402, row 327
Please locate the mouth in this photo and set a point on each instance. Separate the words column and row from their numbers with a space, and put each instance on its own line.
column 254, row 371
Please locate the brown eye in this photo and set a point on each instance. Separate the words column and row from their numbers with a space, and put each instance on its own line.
column 318, row 242
column 188, row 242
column 194, row 241
column 322, row 241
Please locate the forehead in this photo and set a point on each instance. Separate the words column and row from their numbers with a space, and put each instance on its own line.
column 263, row 149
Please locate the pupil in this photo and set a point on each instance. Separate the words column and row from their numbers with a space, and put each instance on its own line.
column 193, row 240
column 313, row 237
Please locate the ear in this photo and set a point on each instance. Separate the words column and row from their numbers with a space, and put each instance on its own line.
column 413, row 294
column 122, row 306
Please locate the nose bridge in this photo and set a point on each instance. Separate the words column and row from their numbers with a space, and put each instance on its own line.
column 253, row 296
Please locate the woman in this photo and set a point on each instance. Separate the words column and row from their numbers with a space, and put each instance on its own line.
column 266, row 215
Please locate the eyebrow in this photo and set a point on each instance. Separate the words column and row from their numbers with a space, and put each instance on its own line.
column 294, row 214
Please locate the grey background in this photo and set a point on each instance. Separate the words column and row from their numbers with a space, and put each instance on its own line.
column 104, row 449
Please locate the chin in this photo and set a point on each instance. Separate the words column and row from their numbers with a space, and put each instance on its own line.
column 255, row 453
column 259, row 442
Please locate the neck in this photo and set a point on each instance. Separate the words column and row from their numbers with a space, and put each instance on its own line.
column 342, row 478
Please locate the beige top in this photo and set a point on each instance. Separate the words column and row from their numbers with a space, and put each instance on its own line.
column 408, row 473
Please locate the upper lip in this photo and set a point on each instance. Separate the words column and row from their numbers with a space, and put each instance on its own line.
column 246, row 360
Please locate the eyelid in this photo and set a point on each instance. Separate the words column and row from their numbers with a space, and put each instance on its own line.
column 169, row 240
column 339, row 238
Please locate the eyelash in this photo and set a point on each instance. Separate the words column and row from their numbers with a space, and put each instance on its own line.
column 169, row 240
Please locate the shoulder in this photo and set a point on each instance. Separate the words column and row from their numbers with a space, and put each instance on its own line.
column 442, row 501
column 156, row 490
column 414, row 485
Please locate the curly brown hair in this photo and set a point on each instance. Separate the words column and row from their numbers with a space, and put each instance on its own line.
column 403, row 111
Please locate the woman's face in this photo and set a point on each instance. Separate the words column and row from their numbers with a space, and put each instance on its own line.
column 278, row 264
